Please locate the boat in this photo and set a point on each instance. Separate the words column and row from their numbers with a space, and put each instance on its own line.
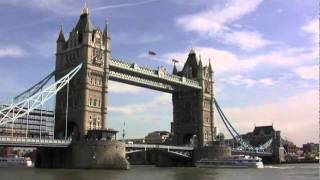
column 15, row 161
column 235, row 161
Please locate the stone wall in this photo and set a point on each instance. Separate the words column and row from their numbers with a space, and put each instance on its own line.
column 84, row 155
column 211, row 152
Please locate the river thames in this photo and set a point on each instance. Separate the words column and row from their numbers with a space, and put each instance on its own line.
column 272, row 172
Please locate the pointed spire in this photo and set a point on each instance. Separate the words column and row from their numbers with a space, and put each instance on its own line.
column 175, row 70
column 61, row 36
column 200, row 63
column 210, row 66
column 84, row 24
column 106, row 30
column 85, row 9
column 106, row 25
column 192, row 51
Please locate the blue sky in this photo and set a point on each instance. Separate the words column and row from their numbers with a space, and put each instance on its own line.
column 265, row 55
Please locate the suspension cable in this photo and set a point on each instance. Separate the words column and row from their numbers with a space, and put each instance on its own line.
column 236, row 135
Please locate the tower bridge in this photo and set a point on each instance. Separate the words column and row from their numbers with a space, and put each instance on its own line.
column 84, row 66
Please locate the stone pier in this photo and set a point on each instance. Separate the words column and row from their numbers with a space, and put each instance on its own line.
column 97, row 151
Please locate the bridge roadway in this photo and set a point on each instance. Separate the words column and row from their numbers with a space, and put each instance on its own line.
column 132, row 148
column 184, row 151
column 33, row 142
column 156, row 79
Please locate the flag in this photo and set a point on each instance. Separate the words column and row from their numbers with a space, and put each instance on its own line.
column 174, row 61
column 152, row 53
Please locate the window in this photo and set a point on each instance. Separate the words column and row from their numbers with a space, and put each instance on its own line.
column 95, row 102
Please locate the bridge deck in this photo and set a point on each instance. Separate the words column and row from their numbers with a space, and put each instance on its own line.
column 33, row 142
column 188, row 148
column 251, row 153
column 156, row 146
column 147, row 77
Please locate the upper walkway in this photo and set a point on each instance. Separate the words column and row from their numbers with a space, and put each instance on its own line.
column 157, row 79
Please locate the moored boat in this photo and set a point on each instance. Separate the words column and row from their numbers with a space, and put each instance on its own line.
column 15, row 161
column 237, row 161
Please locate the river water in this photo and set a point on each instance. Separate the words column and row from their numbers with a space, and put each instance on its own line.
column 272, row 172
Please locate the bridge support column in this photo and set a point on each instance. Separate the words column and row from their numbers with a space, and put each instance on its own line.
column 211, row 152
column 192, row 108
column 84, row 155
column 278, row 150
column 164, row 160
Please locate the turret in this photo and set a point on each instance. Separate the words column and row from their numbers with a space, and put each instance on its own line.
column 210, row 66
column 175, row 70
column 200, row 68
column 190, row 69
column 60, row 41
column 106, row 37
column 84, row 27
column 200, row 62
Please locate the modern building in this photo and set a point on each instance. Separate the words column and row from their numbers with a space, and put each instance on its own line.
column 290, row 147
column 310, row 148
column 37, row 123
column 157, row 137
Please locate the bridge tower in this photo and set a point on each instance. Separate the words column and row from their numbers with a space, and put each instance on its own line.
column 193, row 109
column 86, row 107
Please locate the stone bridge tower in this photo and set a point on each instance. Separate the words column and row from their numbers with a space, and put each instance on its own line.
column 193, row 109
column 86, row 107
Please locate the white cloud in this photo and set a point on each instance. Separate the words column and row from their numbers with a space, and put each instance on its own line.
column 217, row 22
column 267, row 81
column 312, row 27
column 226, row 61
column 239, row 80
column 293, row 116
column 121, row 88
column 215, row 19
column 11, row 51
column 308, row 72
column 246, row 40
column 248, row 82
column 143, row 107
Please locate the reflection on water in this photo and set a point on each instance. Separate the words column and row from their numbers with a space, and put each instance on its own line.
column 282, row 172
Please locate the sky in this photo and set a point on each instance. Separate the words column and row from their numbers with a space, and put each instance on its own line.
column 265, row 55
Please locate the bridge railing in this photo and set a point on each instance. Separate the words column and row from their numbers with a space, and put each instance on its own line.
column 141, row 80
column 154, row 73
column 156, row 146
column 23, row 140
